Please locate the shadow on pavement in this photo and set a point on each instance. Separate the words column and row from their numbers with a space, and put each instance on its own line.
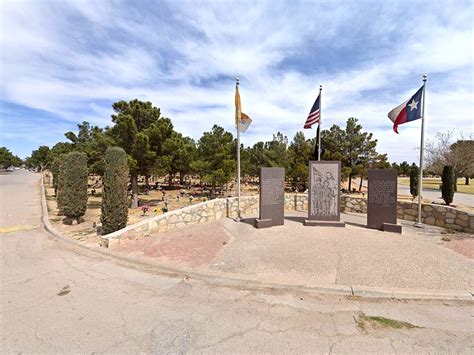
column 361, row 225
column 299, row 219
column 250, row 221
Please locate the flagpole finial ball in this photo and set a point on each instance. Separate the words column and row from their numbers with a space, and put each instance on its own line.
column 237, row 79
column 425, row 77
column 320, row 87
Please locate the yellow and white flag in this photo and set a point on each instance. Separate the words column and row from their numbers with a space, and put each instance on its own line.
column 238, row 108
column 242, row 121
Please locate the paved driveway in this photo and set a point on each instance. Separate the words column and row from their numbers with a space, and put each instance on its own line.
column 435, row 196
column 56, row 299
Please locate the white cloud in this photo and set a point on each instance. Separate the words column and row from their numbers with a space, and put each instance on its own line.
column 69, row 58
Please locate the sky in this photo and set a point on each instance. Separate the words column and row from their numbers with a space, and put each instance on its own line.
column 64, row 62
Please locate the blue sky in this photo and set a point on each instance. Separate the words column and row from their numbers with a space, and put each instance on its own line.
column 63, row 62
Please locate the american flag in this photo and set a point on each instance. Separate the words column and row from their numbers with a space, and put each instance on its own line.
column 313, row 116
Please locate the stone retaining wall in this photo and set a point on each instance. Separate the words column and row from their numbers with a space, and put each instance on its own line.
column 431, row 214
column 353, row 204
column 248, row 205
column 437, row 215
column 190, row 215
column 296, row 202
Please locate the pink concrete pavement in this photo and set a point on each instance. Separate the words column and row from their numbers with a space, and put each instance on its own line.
column 192, row 247
column 299, row 255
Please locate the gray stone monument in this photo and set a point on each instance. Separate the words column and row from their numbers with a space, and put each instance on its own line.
column 382, row 200
column 324, row 194
column 272, row 197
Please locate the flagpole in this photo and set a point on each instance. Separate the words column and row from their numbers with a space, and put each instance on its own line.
column 422, row 143
column 319, row 124
column 239, row 218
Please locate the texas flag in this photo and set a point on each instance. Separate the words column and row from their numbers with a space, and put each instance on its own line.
column 408, row 111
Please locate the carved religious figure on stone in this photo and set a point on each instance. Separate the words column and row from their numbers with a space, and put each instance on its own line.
column 333, row 187
column 317, row 190
column 324, row 193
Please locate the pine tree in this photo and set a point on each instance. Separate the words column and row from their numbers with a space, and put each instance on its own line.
column 414, row 180
column 73, row 177
column 141, row 131
column 216, row 154
column 447, row 184
column 114, row 209
column 355, row 148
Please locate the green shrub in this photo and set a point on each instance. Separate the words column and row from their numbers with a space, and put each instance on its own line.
column 73, row 177
column 414, row 180
column 447, row 184
column 114, row 209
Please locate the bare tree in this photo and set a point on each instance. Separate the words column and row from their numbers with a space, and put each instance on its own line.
column 462, row 153
column 444, row 150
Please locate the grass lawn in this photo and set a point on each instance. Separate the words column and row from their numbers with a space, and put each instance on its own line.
column 433, row 183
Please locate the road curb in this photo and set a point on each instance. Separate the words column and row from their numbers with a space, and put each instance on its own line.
column 253, row 285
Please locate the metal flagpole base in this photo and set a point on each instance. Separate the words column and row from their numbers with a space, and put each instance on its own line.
column 418, row 225
column 239, row 217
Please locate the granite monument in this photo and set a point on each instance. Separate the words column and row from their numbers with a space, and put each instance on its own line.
column 272, row 197
column 324, row 194
column 382, row 200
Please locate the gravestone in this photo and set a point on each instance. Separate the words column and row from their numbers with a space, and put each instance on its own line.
column 272, row 197
column 324, row 194
column 382, row 200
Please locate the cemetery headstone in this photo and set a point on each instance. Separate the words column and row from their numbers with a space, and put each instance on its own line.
column 324, row 194
column 272, row 197
column 382, row 200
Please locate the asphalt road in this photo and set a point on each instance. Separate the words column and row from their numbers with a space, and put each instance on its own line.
column 57, row 299
column 435, row 196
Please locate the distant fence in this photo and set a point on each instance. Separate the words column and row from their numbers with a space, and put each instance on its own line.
column 441, row 216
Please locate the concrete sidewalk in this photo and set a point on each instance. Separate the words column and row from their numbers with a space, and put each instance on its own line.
column 296, row 255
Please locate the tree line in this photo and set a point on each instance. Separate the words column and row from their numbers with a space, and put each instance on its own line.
column 154, row 147
column 8, row 159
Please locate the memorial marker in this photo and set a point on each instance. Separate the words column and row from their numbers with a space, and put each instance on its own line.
column 382, row 200
column 272, row 197
column 324, row 194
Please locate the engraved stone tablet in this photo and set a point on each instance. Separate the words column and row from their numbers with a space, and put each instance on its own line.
column 272, row 197
column 382, row 199
column 324, row 193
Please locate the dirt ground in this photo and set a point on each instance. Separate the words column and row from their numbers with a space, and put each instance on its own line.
column 175, row 197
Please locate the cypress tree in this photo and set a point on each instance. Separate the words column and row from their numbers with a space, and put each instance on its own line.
column 73, row 177
column 447, row 184
column 55, row 173
column 114, row 209
column 58, row 183
column 414, row 180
